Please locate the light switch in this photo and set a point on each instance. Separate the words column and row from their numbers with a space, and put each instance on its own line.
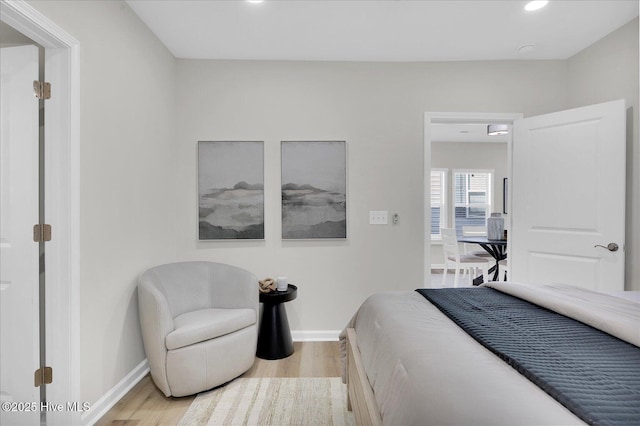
column 378, row 218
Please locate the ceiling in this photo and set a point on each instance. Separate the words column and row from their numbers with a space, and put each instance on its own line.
column 384, row 30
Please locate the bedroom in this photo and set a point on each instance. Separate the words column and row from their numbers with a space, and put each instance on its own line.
column 144, row 110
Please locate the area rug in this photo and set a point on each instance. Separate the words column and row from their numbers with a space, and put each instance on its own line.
column 272, row 401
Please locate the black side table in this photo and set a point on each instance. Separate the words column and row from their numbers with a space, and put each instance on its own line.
column 274, row 339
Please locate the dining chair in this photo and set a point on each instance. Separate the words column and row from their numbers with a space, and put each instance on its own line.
column 475, row 231
column 503, row 268
column 453, row 259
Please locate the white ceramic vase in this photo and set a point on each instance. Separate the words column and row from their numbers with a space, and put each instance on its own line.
column 495, row 227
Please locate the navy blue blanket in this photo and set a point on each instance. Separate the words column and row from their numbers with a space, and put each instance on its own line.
column 593, row 374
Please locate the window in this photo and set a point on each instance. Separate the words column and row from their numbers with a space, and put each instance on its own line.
column 438, row 202
column 472, row 198
column 471, row 203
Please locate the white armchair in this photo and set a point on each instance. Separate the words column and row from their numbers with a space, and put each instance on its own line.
column 199, row 324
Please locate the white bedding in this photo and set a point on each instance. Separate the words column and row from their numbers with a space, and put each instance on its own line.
column 634, row 296
column 425, row 370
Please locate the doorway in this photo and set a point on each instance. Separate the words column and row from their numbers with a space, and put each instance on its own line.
column 449, row 128
column 546, row 208
column 61, row 204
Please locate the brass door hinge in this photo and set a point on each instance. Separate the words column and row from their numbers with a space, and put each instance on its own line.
column 41, row 233
column 42, row 89
column 43, row 376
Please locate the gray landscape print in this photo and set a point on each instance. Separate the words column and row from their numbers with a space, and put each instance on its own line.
column 314, row 201
column 230, row 190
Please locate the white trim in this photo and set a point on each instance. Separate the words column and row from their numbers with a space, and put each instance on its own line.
column 115, row 394
column 62, row 209
column 27, row 20
column 315, row 335
column 444, row 205
column 453, row 117
column 426, row 212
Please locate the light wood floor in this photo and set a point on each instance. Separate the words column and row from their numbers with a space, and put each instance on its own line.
column 146, row 405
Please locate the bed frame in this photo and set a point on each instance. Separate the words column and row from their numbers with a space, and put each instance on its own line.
column 360, row 398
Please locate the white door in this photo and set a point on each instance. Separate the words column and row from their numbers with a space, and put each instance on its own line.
column 568, row 197
column 19, row 294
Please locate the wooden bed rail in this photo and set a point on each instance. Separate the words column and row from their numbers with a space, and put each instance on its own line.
column 360, row 398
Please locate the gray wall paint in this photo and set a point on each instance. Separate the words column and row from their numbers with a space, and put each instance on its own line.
column 378, row 108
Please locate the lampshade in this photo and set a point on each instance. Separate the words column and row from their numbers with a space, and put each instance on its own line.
column 497, row 129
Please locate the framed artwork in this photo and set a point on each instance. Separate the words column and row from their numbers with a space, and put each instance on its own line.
column 314, row 189
column 505, row 194
column 230, row 190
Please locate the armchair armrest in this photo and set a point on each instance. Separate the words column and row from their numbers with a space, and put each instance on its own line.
column 156, row 322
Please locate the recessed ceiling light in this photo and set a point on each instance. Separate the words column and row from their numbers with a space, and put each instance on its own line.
column 535, row 5
column 255, row 1
column 526, row 48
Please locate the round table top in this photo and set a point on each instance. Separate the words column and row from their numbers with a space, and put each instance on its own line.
column 280, row 296
column 482, row 240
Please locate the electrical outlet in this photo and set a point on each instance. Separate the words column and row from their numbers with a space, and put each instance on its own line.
column 378, row 218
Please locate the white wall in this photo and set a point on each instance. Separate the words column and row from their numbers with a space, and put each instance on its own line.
column 378, row 108
column 127, row 148
column 470, row 155
column 606, row 71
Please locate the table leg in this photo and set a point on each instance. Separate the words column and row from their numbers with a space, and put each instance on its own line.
column 274, row 339
column 498, row 252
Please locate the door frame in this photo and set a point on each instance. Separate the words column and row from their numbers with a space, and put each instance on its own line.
column 431, row 118
column 62, row 201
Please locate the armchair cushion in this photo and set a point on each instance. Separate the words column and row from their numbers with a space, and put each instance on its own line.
column 205, row 324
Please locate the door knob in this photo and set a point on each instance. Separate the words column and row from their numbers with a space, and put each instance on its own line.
column 610, row 246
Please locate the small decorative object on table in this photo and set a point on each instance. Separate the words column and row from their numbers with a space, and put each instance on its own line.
column 267, row 285
column 282, row 283
column 495, row 227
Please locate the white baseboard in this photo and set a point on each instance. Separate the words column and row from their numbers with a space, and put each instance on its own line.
column 116, row 393
column 315, row 335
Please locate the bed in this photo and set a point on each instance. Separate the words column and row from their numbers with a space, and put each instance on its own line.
column 407, row 363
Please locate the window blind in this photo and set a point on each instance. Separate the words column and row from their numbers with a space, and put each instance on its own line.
column 472, row 192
